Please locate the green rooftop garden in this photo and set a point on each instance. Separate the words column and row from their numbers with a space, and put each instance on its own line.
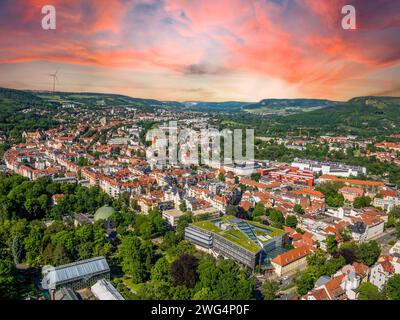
column 207, row 225
column 240, row 239
column 237, row 236
column 275, row 232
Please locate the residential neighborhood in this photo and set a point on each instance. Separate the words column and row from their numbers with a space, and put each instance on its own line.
column 274, row 220
column 207, row 158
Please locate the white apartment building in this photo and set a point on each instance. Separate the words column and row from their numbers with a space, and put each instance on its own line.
column 331, row 168
column 386, row 267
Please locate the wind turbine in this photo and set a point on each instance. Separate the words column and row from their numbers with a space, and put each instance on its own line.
column 54, row 76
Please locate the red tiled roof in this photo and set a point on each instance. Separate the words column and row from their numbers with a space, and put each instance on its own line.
column 246, row 205
column 388, row 193
column 311, row 192
column 295, row 254
column 352, row 181
column 360, row 269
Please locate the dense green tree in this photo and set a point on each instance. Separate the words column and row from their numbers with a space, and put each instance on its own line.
column 298, row 209
column 183, row 271
column 7, row 280
column 17, row 250
column 160, row 271
column 182, row 248
column 147, row 226
column 60, row 256
column 84, row 233
column 269, row 289
column 305, row 282
column 183, row 206
column 146, row 229
column 66, row 240
column 255, row 176
column 133, row 258
column 332, row 266
column 154, row 290
column 180, row 293
column 335, row 201
column 348, row 254
column 368, row 252
column 84, row 250
column 204, row 294
column 395, row 212
column 291, row 221
column 33, row 243
column 317, row 258
column 259, row 210
column 170, row 240
column 276, row 217
column 331, row 243
column 223, row 280
column 330, row 190
column 362, row 202
column 392, row 287
column 368, row 291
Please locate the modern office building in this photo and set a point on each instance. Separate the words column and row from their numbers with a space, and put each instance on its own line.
column 247, row 242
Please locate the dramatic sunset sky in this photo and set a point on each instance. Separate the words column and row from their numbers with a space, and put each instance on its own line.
column 210, row 50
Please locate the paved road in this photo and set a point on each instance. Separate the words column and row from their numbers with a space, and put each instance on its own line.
column 384, row 240
column 386, row 237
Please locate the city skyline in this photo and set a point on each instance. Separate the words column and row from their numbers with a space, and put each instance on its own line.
column 203, row 51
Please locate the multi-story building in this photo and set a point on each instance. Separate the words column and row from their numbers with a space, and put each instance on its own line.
column 350, row 193
column 367, row 185
column 289, row 262
column 366, row 227
column 292, row 175
column 325, row 167
column 387, row 200
column 246, row 242
column 386, row 267
column 172, row 217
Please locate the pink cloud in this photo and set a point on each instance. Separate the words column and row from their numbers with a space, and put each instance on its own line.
column 299, row 42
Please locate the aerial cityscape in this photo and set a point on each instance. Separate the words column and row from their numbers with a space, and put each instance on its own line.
column 199, row 150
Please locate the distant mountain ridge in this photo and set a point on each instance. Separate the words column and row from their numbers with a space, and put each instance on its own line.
column 294, row 103
column 361, row 115
column 324, row 106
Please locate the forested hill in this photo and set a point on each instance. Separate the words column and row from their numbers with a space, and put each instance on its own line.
column 291, row 103
column 101, row 99
column 23, row 110
column 362, row 116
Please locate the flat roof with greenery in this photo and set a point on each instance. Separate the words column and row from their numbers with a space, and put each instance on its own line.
column 238, row 237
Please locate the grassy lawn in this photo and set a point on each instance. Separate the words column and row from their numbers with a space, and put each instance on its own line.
column 134, row 286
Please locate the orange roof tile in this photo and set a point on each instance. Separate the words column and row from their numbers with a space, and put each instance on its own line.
column 293, row 255
column 352, row 181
